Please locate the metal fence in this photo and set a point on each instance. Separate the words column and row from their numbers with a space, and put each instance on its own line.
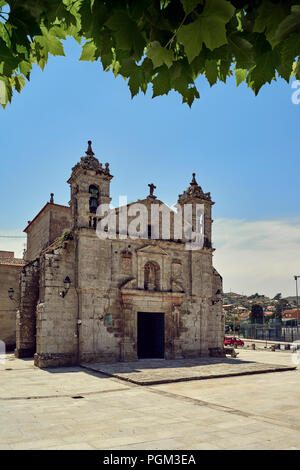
column 275, row 331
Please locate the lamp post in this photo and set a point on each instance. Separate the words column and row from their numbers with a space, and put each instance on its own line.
column 11, row 292
column 297, row 300
column 67, row 284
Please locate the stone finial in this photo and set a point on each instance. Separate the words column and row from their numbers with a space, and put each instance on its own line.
column 193, row 191
column 194, row 182
column 89, row 149
column 106, row 169
column 52, row 198
column 152, row 187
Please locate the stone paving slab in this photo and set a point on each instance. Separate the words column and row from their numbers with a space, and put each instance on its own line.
column 160, row 371
column 256, row 412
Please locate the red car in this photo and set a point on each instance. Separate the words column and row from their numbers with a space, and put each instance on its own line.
column 228, row 341
column 233, row 341
column 238, row 341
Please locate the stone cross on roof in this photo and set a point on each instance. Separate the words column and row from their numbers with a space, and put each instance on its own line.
column 152, row 187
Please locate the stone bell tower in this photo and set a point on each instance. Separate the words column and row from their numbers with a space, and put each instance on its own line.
column 90, row 187
column 194, row 195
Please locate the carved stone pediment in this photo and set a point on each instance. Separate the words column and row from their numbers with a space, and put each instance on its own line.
column 152, row 249
column 131, row 284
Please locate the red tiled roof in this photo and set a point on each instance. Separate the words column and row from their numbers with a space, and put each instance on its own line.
column 12, row 261
column 291, row 313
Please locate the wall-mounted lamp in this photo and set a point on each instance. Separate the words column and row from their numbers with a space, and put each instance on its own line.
column 11, row 294
column 67, row 284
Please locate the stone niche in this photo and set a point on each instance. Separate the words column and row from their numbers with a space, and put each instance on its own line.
column 126, row 262
column 153, row 268
column 176, row 276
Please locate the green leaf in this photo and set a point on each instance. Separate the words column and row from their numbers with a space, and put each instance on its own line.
column 263, row 72
column 88, row 51
column 190, row 5
column 242, row 50
column 209, row 28
column 18, row 82
column 147, row 67
column 198, row 64
column 224, row 69
column 269, row 16
column 190, row 95
column 192, row 37
column 290, row 24
column 85, row 15
column 182, row 81
column 161, row 83
column 49, row 43
column 25, row 68
column 126, row 33
column 5, row 91
column 240, row 75
column 136, row 82
column 160, row 55
column 8, row 60
column 296, row 70
column 288, row 50
column 211, row 71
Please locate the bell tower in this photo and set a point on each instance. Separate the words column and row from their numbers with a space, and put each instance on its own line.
column 194, row 195
column 90, row 187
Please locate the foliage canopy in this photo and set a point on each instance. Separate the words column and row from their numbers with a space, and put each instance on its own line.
column 257, row 314
column 163, row 43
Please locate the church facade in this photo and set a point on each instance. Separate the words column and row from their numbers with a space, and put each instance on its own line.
column 114, row 297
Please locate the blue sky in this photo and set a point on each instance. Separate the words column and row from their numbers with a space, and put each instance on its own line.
column 244, row 150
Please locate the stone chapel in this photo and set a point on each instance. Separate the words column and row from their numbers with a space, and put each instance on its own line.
column 116, row 299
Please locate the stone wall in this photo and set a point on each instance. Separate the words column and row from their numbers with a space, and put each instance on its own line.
column 57, row 329
column 60, row 219
column 9, row 278
column 26, row 316
column 38, row 236
column 45, row 228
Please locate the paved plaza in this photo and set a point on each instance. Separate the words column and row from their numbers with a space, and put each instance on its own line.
column 77, row 408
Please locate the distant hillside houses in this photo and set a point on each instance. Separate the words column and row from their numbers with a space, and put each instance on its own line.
column 237, row 308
